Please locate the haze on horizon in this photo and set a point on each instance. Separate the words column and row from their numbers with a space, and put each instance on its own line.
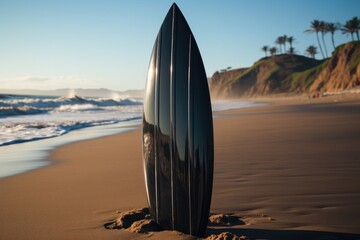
column 107, row 44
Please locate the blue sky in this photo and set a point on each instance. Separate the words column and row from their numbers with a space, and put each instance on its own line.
column 107, row 43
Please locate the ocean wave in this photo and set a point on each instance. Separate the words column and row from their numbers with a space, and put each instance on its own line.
column 77, row 108
column 29, row 118
column 10, row 106
column 22, row 110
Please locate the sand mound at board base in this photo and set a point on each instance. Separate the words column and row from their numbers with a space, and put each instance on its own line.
column 139, row 221
column 227, row 236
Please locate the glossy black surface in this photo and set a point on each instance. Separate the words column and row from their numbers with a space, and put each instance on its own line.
column 178, row 149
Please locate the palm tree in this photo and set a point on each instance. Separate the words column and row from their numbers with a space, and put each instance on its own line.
column 291, row 51
column 273, row 51
column 356, row 23
column 279, row 41
column 347, row 29
column 290, row 40
column 265, row 49
column 323, row 32
column 284, row 40
column 332, row 28
column 311, row 51
column 352, row 26
column 315, row 27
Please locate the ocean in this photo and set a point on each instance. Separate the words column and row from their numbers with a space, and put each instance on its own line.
column 28, row 118
column 31, row 126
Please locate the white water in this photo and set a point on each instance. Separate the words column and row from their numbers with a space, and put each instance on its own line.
column 26, row 156
column 27, row 118
column 224, row 105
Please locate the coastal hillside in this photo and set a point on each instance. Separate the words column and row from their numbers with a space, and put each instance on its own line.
column 342, row 70
column 291, row 74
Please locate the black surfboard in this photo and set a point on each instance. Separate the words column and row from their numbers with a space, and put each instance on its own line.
column 178, row 148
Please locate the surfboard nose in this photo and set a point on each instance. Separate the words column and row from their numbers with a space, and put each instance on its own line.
column 175, row 12
column 174, row 6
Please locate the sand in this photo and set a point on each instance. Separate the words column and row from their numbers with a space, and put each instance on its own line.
column 288, row 170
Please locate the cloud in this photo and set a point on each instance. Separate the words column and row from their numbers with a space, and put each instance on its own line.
column 48, row 83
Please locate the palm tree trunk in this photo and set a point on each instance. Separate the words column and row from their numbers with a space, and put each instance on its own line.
column 285, row 48
column 357, row 34
column 323, row 40
column 322, row 53
column 352, row 36
column 332, row 40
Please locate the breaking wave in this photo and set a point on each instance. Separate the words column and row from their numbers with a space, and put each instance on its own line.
column 14, row 105
column 28, row 118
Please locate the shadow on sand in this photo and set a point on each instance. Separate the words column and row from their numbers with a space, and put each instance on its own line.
column 283, row 234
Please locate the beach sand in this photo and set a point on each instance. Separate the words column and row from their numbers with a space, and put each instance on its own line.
column 289, row 170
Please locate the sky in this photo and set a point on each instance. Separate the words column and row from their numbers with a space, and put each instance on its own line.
column 51, row 44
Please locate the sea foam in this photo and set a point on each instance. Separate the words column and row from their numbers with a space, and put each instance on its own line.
column 28, row 118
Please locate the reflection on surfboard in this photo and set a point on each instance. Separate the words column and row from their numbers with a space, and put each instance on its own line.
column 178, row 149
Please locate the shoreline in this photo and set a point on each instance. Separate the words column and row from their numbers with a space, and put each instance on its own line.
column 30, row 155
column 262, row 172
column 35, row 154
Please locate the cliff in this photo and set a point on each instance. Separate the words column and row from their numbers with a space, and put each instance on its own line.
column 291, row 74
column 342, row 70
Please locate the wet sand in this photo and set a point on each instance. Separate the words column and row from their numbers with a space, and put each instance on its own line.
column 290, row 170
